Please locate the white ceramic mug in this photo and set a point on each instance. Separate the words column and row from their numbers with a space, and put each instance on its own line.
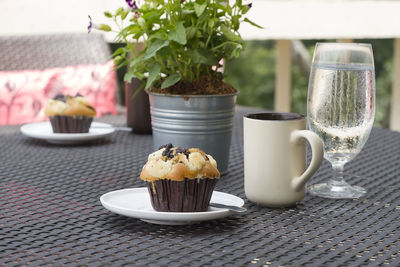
column 275, row 171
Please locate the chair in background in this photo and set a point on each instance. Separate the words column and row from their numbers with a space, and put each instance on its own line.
column 60, row 55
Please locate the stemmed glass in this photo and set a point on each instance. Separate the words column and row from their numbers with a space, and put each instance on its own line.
column 341, row 109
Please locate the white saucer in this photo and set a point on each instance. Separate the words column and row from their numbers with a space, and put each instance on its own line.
column 135, row 203
column 43, row 131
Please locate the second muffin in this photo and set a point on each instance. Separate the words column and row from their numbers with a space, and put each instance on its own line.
column 180, row 180
column 70, row 114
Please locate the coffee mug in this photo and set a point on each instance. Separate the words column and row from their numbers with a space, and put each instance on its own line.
column 275, row 171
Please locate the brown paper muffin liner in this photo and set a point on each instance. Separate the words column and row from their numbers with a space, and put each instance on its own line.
column 189, row 195
column 69, row 124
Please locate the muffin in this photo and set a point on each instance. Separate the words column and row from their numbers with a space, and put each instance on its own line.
column 180, row 180
column 70, row 114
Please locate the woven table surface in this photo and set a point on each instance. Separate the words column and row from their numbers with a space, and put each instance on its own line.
column 51, row 214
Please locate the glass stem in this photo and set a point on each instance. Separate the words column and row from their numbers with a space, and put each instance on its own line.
column 338, row 174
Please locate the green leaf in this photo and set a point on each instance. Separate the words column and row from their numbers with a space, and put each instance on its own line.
column 235, row 22
column 123, row 64
column 190, row 32
column 118, row 51
column 171, row 80
column 165, row 52
column 162, row 35
column 195, row 56
column 154, row 47
column 108, row 14
column 199, row 33
column 178, row 34
column 135, row 61
column 124, row 14
column 210, row 59
column 245, row 9
column 220, row 14
column 128, row 30
column 211, row 23
column 153, row 74
column 187, row 11
column 202, row 56
column 199, row 9
column 252, row 23
column 230, row 35
column 141, row 22
column 128, row 76
column 119, row 11
column 236, row 51
column 104, row 27
column 140, row 75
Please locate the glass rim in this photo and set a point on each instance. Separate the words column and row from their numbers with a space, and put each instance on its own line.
column 340, row 44
column 346, row 53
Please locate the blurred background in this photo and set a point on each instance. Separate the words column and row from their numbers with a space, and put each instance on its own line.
column 298, row 23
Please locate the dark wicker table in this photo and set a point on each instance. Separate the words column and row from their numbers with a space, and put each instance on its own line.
column 51, row 214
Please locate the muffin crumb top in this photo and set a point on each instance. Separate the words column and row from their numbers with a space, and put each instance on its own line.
column 177, row 163
column 66, row 105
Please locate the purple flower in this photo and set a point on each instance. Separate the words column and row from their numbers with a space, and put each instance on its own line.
column 250, row 5
column 131, row 4
column 90, row 24
column 137, row 15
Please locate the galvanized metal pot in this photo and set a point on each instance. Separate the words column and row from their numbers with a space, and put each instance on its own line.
column 203, row 121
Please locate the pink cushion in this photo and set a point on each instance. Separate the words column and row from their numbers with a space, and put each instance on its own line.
column 24, row 94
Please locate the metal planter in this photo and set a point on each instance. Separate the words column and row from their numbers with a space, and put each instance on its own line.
column 194, row 121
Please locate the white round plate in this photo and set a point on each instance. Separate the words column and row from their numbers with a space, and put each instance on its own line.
column 43, row 131
column 135, row 203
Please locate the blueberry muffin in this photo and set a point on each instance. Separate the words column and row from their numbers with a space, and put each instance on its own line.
column 180, row 180
column 70, row 114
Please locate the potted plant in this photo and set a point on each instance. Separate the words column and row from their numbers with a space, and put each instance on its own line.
column 185, row 43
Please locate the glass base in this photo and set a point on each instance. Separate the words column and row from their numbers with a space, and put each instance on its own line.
column 335, row 189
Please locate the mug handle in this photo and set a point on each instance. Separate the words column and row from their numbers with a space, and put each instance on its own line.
column 316, row 160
